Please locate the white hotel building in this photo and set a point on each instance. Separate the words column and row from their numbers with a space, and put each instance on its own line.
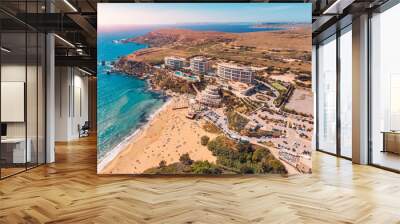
column 174, row 62
column 236, row 72
column 210, row 96
column 199, row 65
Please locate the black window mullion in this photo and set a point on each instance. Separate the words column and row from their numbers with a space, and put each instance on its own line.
column 316, row 117
column 37, row 90
column 1, row 165
column 369, row 100
column 338, row 76
column 26, row 87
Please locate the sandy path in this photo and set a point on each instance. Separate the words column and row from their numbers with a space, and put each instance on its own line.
column 169, row 135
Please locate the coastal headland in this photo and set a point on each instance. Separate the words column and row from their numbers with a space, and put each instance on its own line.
column 263, row 48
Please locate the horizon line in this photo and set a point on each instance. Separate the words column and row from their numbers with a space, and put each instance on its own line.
column 189, row 23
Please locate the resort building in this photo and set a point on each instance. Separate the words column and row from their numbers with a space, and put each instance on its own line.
column 199, row 65
column 235, row 72
column 210, row 96
column 174, row 62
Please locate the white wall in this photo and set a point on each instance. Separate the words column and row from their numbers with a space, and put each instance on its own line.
column 71, row 102
column 346, row 93
column 9, row 73
column 17, row 73
column 62, row 82
column 33, row 127
column 327, row 95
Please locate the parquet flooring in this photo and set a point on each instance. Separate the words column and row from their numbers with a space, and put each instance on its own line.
column 69, row 191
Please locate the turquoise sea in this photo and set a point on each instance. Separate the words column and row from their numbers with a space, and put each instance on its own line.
column 124, row 102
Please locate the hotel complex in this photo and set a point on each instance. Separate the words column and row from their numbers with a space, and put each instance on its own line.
column 234, row 72
column 174, row 62
column 199, row 65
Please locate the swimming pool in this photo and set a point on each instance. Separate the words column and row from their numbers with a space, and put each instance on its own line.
column 186, row 76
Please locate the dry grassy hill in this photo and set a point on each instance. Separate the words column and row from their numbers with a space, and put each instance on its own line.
column 283, row 49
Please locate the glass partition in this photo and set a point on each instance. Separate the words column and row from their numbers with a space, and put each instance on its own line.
column 385, row 89
column 41, row 97
column 31, row 100
column 22, row 77
column 327, row 95
column 13, row 105
column 346, row 92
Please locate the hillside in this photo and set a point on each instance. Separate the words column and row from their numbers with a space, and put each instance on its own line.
column 289, row 49
column 163, row 37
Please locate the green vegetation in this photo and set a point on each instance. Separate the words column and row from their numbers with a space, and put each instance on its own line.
column 261, row 133
column 165, row 81
column 244, row 157
column 284, row 96
column 205, row 167
column 185, row 159
column 185, row 166
column 204, row 140
column 163, row 168
column 236, row 121
column 232, row 157
column 281, row 89
column 258, row 155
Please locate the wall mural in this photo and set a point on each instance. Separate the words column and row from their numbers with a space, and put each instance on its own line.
column 204, row 88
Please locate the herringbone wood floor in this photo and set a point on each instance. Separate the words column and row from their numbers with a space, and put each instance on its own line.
column 69, row 191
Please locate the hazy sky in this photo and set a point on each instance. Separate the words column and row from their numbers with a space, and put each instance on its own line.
column 114, row 14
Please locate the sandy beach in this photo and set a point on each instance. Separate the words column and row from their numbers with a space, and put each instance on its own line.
column 168, row 135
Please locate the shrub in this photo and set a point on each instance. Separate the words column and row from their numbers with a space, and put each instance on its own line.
column 236, row 121
column 204, row 140
column 242, row 157
column 162, row 164
column 165, row 169
column 271, row 165
column 217, row 144
column 244, row 147
column 259, row 154
column 277, row 166
column 246, row 169
column 205, row 167
column 185, row 159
